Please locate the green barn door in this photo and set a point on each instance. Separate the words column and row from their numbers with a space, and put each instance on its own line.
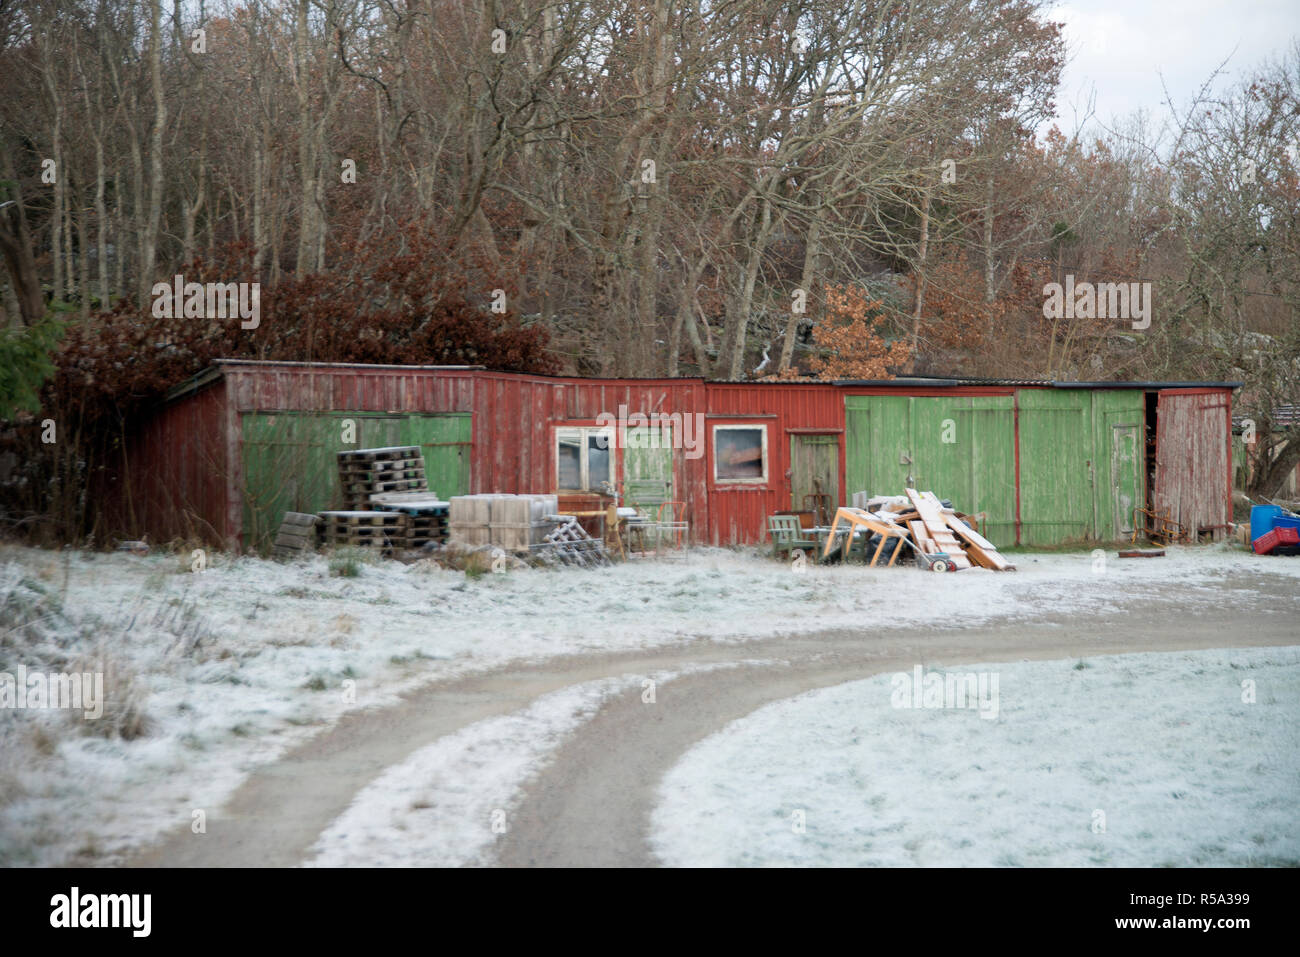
column 962, row 448
column 814, row 469
column 1056, row 472
column 291, row 465
column 1118, row 417
column 878, row 444
column 445, row 442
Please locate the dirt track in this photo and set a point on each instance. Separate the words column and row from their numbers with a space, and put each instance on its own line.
column 591, row 805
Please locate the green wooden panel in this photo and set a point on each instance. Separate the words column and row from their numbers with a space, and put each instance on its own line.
column 648, row 456
column 1057, row 466
column 445, row 441
column 878, row 440
column 1118, row 446
column 814, row 466
column 962, row 448
column 290, row 458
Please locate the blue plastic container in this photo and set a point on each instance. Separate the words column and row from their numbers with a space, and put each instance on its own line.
column 1287, row 521
column 1262, row 518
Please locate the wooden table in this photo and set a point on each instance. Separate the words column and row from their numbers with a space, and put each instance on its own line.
column 857, row 520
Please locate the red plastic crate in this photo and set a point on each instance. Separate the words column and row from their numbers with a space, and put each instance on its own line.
column 1266, row 542
column 1287, row 536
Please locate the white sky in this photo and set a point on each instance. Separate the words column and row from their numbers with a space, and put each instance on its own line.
column 1121, row 48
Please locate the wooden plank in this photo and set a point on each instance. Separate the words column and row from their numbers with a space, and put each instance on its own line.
column 932, row 519
column 978, row 547
column 922, row 537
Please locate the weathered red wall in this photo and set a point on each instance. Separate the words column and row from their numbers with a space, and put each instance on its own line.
column 186, row 462
column 738, row 513
column 177, row 473
column 1194, row 458
column 515, row 415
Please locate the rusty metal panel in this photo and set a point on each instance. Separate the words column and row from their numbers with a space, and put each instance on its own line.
column 1193, row 461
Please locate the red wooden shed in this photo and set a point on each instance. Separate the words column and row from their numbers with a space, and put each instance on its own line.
column 235, row 446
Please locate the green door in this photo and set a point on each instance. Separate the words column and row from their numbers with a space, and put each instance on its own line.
column 1120, row 445
column 815, row 470
column 878, row 444
column 648, row 457
column 290, row 458
column 962, row 448
column 1125, row 477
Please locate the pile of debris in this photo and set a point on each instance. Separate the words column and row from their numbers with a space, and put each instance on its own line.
column 940, row 538
column 525, row 525
column 1274, row 530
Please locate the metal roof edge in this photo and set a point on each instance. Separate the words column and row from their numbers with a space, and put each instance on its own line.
column 341, row 365
column 194, row 383
column 1146, row 385
column 217, row 369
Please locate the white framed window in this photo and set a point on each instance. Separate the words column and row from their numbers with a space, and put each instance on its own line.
column 584, row 457
column 740, row 454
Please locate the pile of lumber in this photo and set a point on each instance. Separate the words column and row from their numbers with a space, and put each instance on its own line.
column 367, row 472
column 934, row 529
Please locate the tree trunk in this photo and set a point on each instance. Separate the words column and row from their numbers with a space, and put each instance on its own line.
column 812, row 250
column 922, row 255
column 149, row 247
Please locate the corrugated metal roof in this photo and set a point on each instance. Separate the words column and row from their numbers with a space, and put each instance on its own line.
column 941, row 381
column 214, row 372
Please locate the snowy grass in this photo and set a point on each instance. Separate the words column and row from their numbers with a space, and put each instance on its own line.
column 1127, row 760
column 222, row 670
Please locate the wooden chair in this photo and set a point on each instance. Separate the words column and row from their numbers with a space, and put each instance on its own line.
column 646, row 496
column 787, row 535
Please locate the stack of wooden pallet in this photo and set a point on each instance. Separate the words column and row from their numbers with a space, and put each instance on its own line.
column 384, row 531
column 366, row 472
column 297, row 534
column 426, row 514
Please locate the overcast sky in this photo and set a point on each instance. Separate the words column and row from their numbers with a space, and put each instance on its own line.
column 1121, row 48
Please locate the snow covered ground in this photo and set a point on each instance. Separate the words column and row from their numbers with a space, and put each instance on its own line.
column 210, row 674
column 447, row 803
column 1132, row 760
